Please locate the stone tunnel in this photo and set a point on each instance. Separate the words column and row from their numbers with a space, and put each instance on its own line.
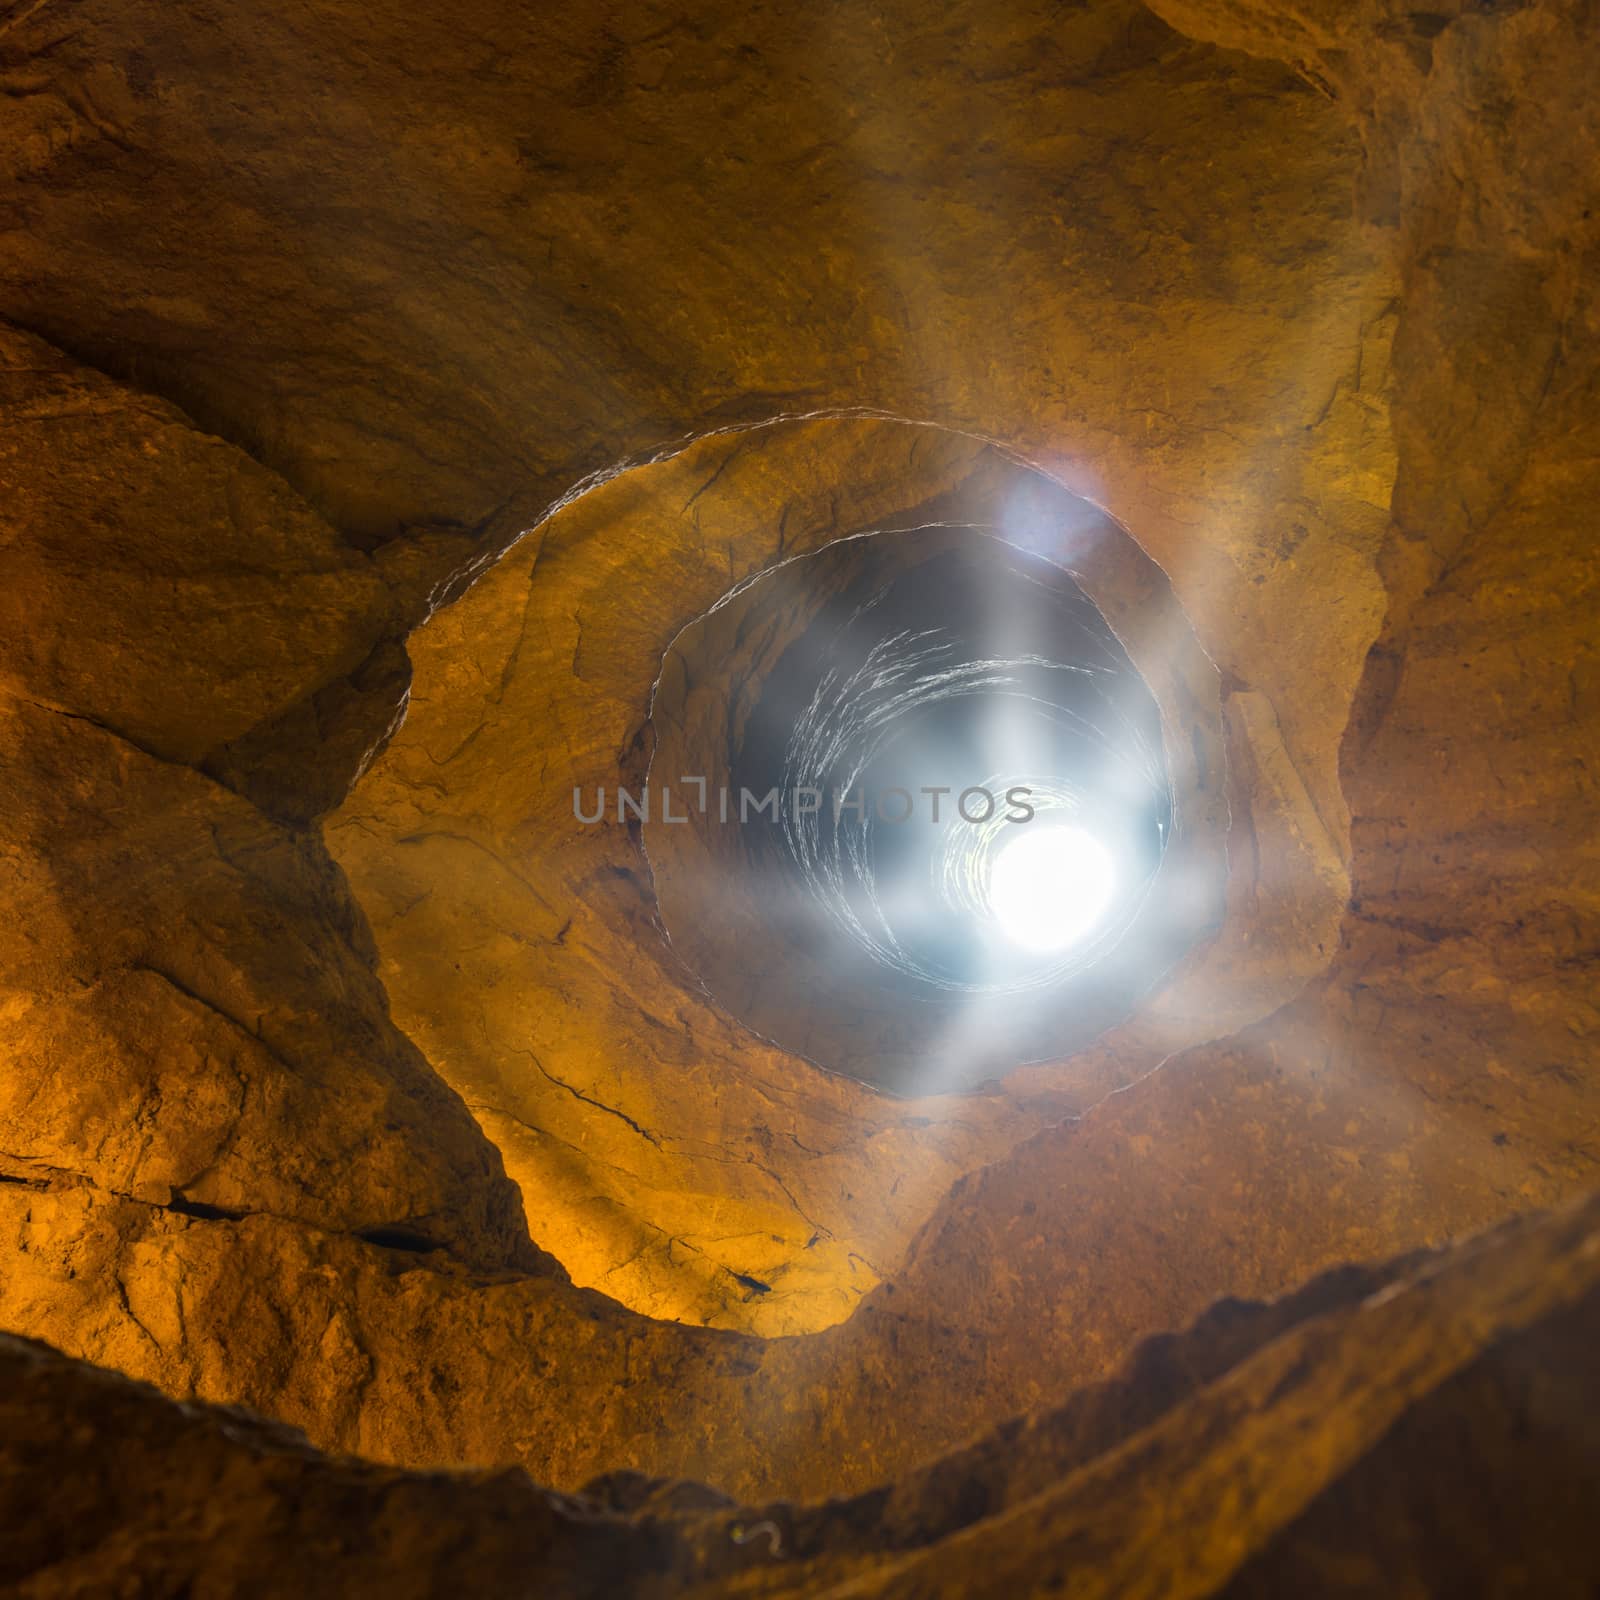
column 439, row 441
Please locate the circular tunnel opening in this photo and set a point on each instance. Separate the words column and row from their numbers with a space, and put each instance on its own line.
column 948, row 716
column 914, row 809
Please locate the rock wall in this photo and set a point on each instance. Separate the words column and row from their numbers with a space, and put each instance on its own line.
column 339, row 339
column 1300, row 1444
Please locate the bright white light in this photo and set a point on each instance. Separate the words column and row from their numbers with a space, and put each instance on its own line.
column 1049, row 886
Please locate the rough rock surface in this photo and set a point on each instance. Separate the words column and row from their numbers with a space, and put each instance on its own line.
column 311, row 314
column 1425, row 1428
column 518, row 943
column 187, row 1000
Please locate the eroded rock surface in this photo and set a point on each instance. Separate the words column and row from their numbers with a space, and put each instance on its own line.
column 1299, row 1440
column 311, row 315
column 519, row 943
column 189, row 1008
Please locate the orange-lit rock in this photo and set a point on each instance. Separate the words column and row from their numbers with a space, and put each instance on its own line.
column 1300, row 1439
column 381, row 393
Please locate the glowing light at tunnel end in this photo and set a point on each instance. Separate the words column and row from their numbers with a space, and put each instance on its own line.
column 1050, row 886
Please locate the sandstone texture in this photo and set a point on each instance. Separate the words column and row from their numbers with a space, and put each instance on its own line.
column 1402, row 1429
column 383, row 391
column 518, row 942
